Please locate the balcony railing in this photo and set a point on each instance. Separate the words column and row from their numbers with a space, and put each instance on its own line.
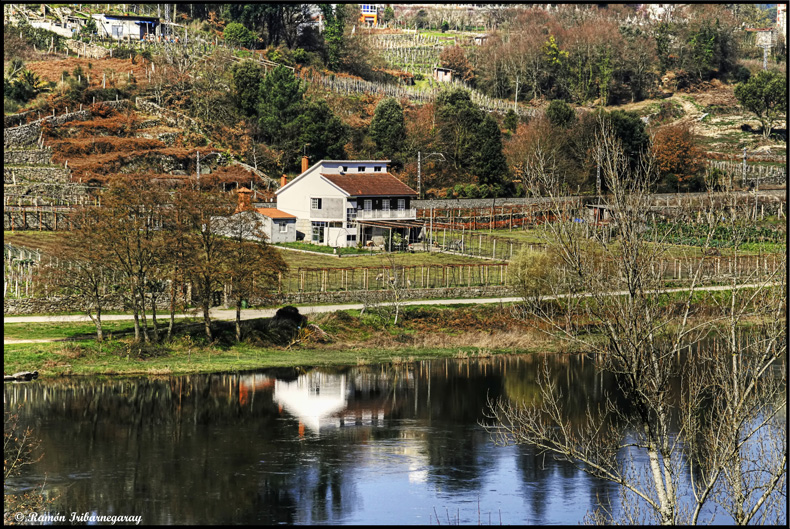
column 386, row 214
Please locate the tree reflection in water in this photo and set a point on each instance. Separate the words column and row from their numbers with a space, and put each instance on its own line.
column 370, row 444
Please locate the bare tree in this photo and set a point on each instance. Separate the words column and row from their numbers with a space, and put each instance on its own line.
column 205, row 213
column 80, row 267
column 605, row 296
column 251, row 264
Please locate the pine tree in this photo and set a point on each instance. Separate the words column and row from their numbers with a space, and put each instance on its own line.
column 491, row 165
column 388, row 128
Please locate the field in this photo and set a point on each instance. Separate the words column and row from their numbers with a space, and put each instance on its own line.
column 44, row 241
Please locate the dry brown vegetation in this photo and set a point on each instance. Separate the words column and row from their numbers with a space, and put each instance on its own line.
column 115, row 69
column 485, row 327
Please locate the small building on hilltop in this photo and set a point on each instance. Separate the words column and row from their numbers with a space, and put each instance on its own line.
column 443, row 75
column 120, row 27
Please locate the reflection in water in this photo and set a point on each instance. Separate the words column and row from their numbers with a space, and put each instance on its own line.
column 352, row 445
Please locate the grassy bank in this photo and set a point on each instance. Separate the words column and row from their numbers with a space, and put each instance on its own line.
column 351, row 339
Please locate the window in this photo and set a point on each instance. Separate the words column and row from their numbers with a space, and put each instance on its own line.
column 361, row 169
column 117, row 31
column 318, row 232
column 283, row 226
column 377, row 169
column 401, row 204
column 351, row 217
column 351, row 238
column 315, row 203
column 368, row 204
column 385, row 205
column 344, row 169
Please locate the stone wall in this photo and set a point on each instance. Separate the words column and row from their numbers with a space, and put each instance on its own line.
column 27, row 157
column 172, row 118
column 28, row 134
column 385, row 296
column 15, row 175
column 91, row 51
column 56, row 305
column 65, row 304
column 15, row 120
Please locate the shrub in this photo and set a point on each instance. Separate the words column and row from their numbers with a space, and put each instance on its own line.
column 238, row 35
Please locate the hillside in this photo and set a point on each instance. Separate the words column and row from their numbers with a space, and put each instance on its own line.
column 199, row 84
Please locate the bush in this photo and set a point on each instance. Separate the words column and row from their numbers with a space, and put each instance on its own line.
column 530, row 271
column 236, row 34
column 560, row 113
column 741, row 74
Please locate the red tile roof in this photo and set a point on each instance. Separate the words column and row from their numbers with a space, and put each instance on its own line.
column 370, row 184
column 274, row 213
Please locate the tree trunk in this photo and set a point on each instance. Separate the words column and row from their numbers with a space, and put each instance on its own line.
column 206, row 302
column 238, row 319
column 153, row 318
column 172, row 309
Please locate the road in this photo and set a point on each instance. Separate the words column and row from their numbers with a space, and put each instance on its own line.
column 248, row 314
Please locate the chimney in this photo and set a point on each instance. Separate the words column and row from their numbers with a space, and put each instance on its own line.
column 283, row 180
column 304, row 164
column 244, row 200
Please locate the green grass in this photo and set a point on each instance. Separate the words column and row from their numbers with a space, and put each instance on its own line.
column 111, row 359
column 298, row 260
column 71, row 330
column 324, row 249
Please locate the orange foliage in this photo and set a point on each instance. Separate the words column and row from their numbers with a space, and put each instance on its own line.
column 102, row 145
column 52, row 70
column 676, row 152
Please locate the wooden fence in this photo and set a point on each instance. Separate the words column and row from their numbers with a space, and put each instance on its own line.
column 387, row 277
column 753, row 174
column 20, row 275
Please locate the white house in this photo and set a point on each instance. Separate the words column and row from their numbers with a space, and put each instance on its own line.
column 344, row 203
column 278, row 226
column 120, row 27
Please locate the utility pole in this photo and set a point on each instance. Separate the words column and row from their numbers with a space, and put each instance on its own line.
column 598, row 180
column 419, row 182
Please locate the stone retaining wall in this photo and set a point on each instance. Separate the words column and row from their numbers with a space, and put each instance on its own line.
column 28, row 134
column 91, row 51
column 27, row 156
column 384, row 296
column 15, row 175
column 173, row 119
column 56, row 305
column 59, row 305
column 15, row 120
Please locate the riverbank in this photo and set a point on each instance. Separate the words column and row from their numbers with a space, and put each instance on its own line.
column 346, row 337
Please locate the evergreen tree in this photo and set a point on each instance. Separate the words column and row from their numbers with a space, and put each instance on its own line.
column 335, row 24
column 280, row 105
column 457, row 120
column 388, row 128
column 560, row 113
column 765, row 95
column 246, row 84
column 491, row 164
column 321, row 131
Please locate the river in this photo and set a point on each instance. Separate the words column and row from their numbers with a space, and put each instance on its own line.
column 381, row 444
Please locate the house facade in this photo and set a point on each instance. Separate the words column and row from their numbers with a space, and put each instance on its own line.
column 345, row 203
column 278, row 226
column 120, row 27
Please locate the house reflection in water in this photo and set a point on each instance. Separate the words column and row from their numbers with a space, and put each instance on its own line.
column 315, row 399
